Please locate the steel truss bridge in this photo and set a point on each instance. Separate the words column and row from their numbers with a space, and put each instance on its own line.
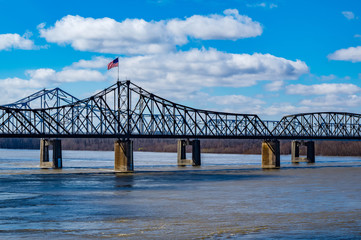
column 125, row 110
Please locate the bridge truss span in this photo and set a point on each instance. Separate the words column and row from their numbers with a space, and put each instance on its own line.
column 319, row 125
column 124, row 110
column 152, row 115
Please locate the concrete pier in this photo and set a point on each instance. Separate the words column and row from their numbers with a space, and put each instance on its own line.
column 123, row 156
column 181, row 153
column 270, row 154
column 311, row 152
column 45, row 147
column 196, row 152
column 295, row 151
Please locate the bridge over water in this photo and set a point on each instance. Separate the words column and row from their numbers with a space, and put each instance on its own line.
column 125, row 111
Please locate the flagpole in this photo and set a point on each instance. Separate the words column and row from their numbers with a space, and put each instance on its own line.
column 118, row 69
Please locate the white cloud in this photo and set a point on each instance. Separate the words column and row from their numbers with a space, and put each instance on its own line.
column 229, row 26
column 274, row 86
column 352, row 54
column 263, row 5
column 177, row 76
column 336, row 96
column 183, row 72
column 284, row 108
column 321, row 104
column 327, row 77
column 327, row 103
column 267, row 112
column 357, row 35
column 49, row 76
column 233, row 103
column 95, row 62
column 276, row 110
column 15, row 41
column 322, row 89
column 272, row 5
column 349, row 15
column 13, row 89
column 137, row 36
column 257, row 5
column 333, row 102
column 235, row 100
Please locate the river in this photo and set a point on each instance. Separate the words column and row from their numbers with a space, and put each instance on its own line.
column 228, row 197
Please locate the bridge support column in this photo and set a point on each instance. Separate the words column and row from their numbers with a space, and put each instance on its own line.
column 181, row 153
column 295, row 152
column 44, row 154
column 311, row 152
column 123, row 156
column 270, row 154
column 45, row 145
column 196, row 152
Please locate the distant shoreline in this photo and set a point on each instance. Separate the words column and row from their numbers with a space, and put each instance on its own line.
column 323, row 148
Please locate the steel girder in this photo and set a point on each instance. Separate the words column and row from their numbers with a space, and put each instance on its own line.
column 125, row 110
column 44, row 99
column 322, row 125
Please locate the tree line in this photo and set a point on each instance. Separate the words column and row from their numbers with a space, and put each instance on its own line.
column 325, row 148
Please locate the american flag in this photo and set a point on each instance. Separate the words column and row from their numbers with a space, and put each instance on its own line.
column 113, row 63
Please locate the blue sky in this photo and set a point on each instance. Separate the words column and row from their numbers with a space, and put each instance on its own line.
column 270, row 58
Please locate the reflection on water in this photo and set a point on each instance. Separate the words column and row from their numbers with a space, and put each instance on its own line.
column 228, row 197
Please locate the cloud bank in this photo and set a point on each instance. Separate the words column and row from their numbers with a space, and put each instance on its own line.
column 322, row 89
column 196, row 69
column 137, row 36
column 151, row 59
column 13, row 89
column 178, row 75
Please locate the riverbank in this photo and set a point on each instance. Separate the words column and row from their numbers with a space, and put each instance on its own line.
column 230, row 146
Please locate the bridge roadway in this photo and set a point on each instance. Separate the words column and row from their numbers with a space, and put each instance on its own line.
column 125, row 111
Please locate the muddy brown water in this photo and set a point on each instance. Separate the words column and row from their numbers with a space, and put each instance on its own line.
column 228, row 197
